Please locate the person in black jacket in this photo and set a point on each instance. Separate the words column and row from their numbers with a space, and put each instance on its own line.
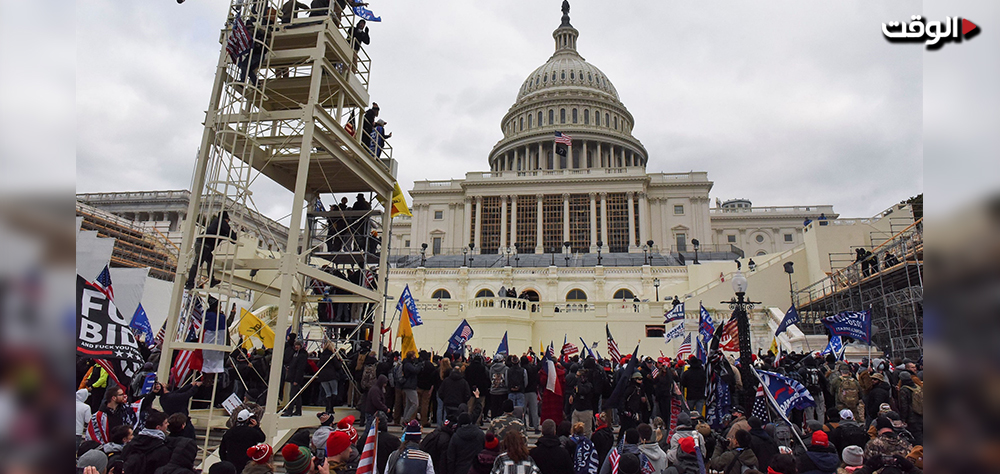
column 478, row 376
column 238, row 439
column 763, row 446
column 411, row 367
column 603, row 438
column 328, row 376
column 367, row 123
column 295, row 375
column 436, row 445
column 359, row 36
column 182, row 458
column 549, row 454
column 531, row 393
column 148, row 450
column 177, row 401
column 453, row 392
column 877, row 395
column 218, row 229
column 387, row 442
column 427, row 378
column 693, row 380
column 581, row 399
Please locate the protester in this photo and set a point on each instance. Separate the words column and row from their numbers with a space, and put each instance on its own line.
column 92, row 459
column 515, row 458
column 465, row 445
column 736, row 457
column 549, row 454
column 238, row 439
column 182, row 458
column 259, row 459
column 503, row 424
column 649, row 448
column 603, row 438
column 483, row 463
column 408, row 458
column 820, row 457
column 341, row 458
column 436, row 445
column 83, row 414
column 148, row 450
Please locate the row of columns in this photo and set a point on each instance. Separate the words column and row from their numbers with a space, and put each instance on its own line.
column 477, row 201
column 521, row 159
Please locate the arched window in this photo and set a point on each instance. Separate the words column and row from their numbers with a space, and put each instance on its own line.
column 540, row 119
column 597, row 118
column 761, row 252
column 572, row 76
column 562, row 115
column 530, row 295
column 552, row 117
column 574, row 115
column 576, row 295
column 441, row 294
column 590, row 77
column 484, row 293
column 586, row 116
column 563, row 76
column 529, row 121
column 624, row 294
column 607, row 120
column 616, row 122
column 545, row 78
column 522, row 124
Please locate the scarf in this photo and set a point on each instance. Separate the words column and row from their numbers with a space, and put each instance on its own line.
column 153, row 434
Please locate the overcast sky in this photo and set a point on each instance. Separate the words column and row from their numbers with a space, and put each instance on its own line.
column 781, row 102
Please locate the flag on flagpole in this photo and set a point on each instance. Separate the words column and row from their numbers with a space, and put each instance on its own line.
column 408, row 307
column 366, row 14
column 729, row 340
column 563, row 139
column 103, row 283
column 252, row 328
column 685, row 350
column 760, row 406
column 408, row 344
column 791, row 317
column 677, row 331
column 585, row 346
column 676, row 313
column 503, row 349
column 141, row 327
column 835, row 347
column 318, row 205
column 461, row 335
column 366, row 465
column 774, row 346
column 550, row 352
column 702, row 352
column 399, row 203
column 568, row 348
column 853, row 324
column 705, row 324
column 616, row 356
column 786, row 392
column 239, row 41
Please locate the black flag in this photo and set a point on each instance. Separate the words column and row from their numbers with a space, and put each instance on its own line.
column 102, row 332
column 623, row 379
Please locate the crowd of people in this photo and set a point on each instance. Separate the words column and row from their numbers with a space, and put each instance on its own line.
column 474, row 415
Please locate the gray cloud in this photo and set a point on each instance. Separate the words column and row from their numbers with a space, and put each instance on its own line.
column 781, row 102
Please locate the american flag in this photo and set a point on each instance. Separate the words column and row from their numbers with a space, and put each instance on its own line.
column 188, row 360
column 569, row 348
column 760, row 406
column 369, row 278
column 729, row 340
column 550, row 352
column 103, row 283
column 656, row 371
column 614, row 457
column 239, row 40
column 616, row 355
column 564, row 139
column 366, row 465
column 685, row 350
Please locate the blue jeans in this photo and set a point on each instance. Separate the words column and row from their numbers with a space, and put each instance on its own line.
column 517, row 397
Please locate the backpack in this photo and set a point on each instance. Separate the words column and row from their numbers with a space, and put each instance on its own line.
column 397, row 375
column 515, row 379
column 811, row 380
column 783, row 435
column 849, row 392
column 497, row 381
column 368, row 377
column 916, row 400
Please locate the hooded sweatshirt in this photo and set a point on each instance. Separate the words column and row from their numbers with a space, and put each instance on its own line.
column 655, row 454
column 465, row 444
column 819, row 460
column 454, row 390
column 686, row 463
column 181, row 459
column 375, row 398
column 498, row 379
column 551, row 457
column 82, row 411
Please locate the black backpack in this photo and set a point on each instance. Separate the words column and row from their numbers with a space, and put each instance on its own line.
column 811, row 380
column 515, row 379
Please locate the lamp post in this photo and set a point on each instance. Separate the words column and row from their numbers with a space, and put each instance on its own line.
column 566, row 246
column 465, row 256
column 423, row 253
column 472, row 258
column 740, row 306
column 656, row 285
column 517, row 254
column 649, row 243
column 553, row 253
column 789, row 270
column 599, row 245
column 696, row 244
column 645, row 257
column 507, row 252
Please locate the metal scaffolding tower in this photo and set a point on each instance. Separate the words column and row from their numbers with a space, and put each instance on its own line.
column 287, row 98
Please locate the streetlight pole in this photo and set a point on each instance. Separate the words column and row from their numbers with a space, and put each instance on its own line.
column 472, row 258
column 696, row 244
column 645, row 255
column 741, row 306
column 423, row 253
column 507, row 251
column 789, row 270
column 656, row 285
column 566, row 246
column 599, row 245
column 465, row 256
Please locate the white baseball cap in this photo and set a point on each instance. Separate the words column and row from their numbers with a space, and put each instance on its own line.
column 243, row 415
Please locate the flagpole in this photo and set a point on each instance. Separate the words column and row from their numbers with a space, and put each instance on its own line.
column 385, row 285
column 777, row 407
column 870, row 306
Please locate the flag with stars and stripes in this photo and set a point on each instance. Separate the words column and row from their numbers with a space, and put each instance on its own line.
column 550, row 352
column 239, row 41
column 656, row 371
column 103, row 283
column 760, row 406
column 188, row 361
column 563, row 139
column 685, row 350
column 366, row 465
column 613, row 351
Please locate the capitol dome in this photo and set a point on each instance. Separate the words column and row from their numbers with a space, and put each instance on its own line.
column 570, row 96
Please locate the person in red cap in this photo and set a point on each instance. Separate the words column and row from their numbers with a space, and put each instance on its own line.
column 686, row 458
column 821, row 456
column 260, row 459
column 340, row 455
column 346, row 425
column 483, row 463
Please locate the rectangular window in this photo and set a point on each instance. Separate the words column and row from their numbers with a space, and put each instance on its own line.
column 678, row 210
column 437, row 246
column 527, row 214
column 617, row 240
column 562, row 115
column 681, row 242
column 655, row 330
column 552, row 117
column 438, row 215
column 489, row 235
column 788, row 237
column 731, row 239
column 574, row 115
column 406, row 244
column 579, row 222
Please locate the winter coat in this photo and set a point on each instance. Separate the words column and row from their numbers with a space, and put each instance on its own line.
column 877, row 395
column 819, row 460
column 531, row 384
column 375, row 398
column 465, row 444
column 330, row 371
column 603, row 439
column 428, row 377
column 181, row 459
column 722, row 460
column 763, row 446
column 498, row 379
column 237, row 440
column 436, row 444
column 82, row 411
column 478, row 376
column 177, row 401
column 144, row 454
column 685, row 464
column 684, row 431
column 693, row 380
column 500, row 426
column 551, row 457
column 411, row 368
column 625, row 449
column 656, row 456
column 454, row 390
column 849, row 433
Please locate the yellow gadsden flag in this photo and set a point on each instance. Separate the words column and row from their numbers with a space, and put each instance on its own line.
column 399, row 203
column 774, row 346
column 253, row 328
column 406, row 333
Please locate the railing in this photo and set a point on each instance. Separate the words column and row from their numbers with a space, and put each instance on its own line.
column 495, row 302
column 825, row 209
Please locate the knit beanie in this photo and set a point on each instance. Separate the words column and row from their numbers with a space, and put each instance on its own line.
column 853, row 456
column 412, row 433
column 629, row 464
column 347, row 425
column 490, row 441
column 95, row 458
column 338, row 442
column 687, row 444
column 260, row 453
column 296, row 458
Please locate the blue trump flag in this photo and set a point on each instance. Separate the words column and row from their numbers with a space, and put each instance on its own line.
column 366, row 14
column 462, row 335
column 786, row 393
column 791, row 317
column 141, row 327
column 411, row 307
column 853, row 324
column 835, row 347
column 502, row 348
column 677, row 331
column 675, row 313
column 705, row 324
